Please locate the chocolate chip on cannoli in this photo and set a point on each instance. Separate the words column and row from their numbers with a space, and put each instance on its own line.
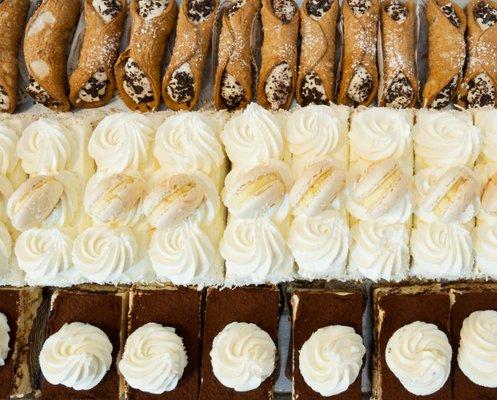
column 148, row 9
column 279, row 85
column 443, row 97
column 481, row 91
column 284, row 10
column 182, row 82
column 359, row 7
column 485, row 15
column 136, row 84
column 232, row 92
column 40, row 95
column 312, row 90
column 399, row 93
column 4, row 100
column 317, row 8
column 108, row 9
column 397, row 11
column 94, row 89
column 360, row 85
column 450, row 13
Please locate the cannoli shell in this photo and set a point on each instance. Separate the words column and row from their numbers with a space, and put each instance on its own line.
column 146, row 46
column 46, row 44
column 359, row 48
column 99, row 51
column 235, row 55
column 482, row 51
column 317, row 48
column 279, row 45
column 446, row 48
column 12, row 19
column 191, row 45
column 398, row 48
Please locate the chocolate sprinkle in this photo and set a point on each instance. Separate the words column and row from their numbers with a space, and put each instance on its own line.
column 400, row 92
column 235, row 7
column 95, row 88
column 485, row 15
column 136, row 84
column 481, row 91
column 312, row 90
column 360, row 85
column 4, row 98
column 284, row 10
column 181, row 87
column 443, row 97
column 450, row 13
column 232, row 92
column 149, row 9
column 279, row 85
column 317, row 8
column 397, row 11
column 200, row 10
column 40, row 95
column 108, row 9
column 359, row 7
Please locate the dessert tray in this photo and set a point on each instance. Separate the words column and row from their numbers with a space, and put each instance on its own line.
column 248, row 200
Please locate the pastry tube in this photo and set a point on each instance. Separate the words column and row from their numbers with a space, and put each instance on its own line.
column 92, row 83
column 359, row 76
column 45, row 42
column 12, row 18
column 400, row 84
column 480, row 80
column 316, row 78
column 234, row 73
column 182, row 82
column 278, row 73
column 138, row 69
column 446, row 52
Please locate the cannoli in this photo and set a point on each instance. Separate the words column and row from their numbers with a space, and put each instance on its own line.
column 182, row 81
column 45, row 43
column 359, row 75
column 92, row 83
column 12, row 18
column 480, row 81
column 138, row 69
column 446, row 52
column 234, row 73
column 278, row 74
column 399, row 81
column 316, row 79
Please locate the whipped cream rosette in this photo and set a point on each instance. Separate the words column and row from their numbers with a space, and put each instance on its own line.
column 379, row 193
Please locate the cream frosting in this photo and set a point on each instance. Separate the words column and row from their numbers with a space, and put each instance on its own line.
column 6, row 191
column 419, row 355
column 45, row 257
column 121, row 142
column 486, row 249
column 441, row 251
column 380, row 133
column 242, row 356
column 154, row 359
column 380, row 251
column 78, row 356
column 8, row 145
column 488, row 178
column 485, row 120
column 45, row 147
column 446, row 138
column 4, row 339
column 255, row 252
column 331, row 359
column 320, row 244
column 477, row 355
column 188, row 141
column 5, row 251
column 253, row 136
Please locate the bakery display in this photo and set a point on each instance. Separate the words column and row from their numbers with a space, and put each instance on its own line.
column 18, row 308
column 412, row 350
column 359, row 73
column 327, row 347
column 50, row 27
column 138, row 69
column 234, row 76
column 79, row 357
column 162, row 352
column 278, row 70
column 398, row 32
column 318, row 26
column 446, row 52
column 478, row 89
column 239, row 343
column 12, row 17
column 92, row 84
column 182, row 81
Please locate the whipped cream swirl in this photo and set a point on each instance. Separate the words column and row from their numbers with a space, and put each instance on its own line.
column 77, row 356
column 5, row 250
column 485, row 119
column 4, row 339
column 485, row 245
column 8, row 145
column 154, row 359
column 477, row 356
column 419, row 355
column 242, row 356
column 331, row 359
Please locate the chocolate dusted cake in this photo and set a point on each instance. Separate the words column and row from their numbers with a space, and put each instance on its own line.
column 18, row 310
column 257, row 306
column 104, row 310
column 395, row 308
column 317, row 308
column 177, row 308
